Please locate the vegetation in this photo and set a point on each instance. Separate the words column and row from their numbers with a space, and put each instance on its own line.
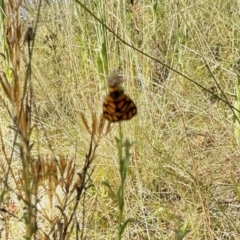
column 171, row 172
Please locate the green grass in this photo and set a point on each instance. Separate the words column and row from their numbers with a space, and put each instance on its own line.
column 183, row 177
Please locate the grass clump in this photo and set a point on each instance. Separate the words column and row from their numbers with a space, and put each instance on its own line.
column 180, row 64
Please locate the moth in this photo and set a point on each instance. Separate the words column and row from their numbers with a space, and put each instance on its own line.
column 117, row 105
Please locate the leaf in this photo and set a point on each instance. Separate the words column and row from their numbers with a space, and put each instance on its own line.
column 113, row 194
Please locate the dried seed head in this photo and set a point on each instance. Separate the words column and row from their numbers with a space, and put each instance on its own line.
column 85, row 123
column 52, row 174
column 29, row 35
column 62, row 164
column 94, row 124
column 79, row 181
column 69, row 175
column 101, row 126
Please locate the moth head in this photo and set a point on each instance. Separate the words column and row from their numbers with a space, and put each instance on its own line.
column 114, row 79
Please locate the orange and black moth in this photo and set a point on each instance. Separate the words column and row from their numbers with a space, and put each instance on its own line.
column 117, row 105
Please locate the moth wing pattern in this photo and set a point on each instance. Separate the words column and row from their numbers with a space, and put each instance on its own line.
column 117, row 105
column 119, row 108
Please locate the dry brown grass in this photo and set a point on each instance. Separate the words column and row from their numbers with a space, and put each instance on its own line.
column 184, row 174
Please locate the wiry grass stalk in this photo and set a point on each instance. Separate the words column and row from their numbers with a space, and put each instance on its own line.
column 102, row 54
column 237, row 111
column 19, row 93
